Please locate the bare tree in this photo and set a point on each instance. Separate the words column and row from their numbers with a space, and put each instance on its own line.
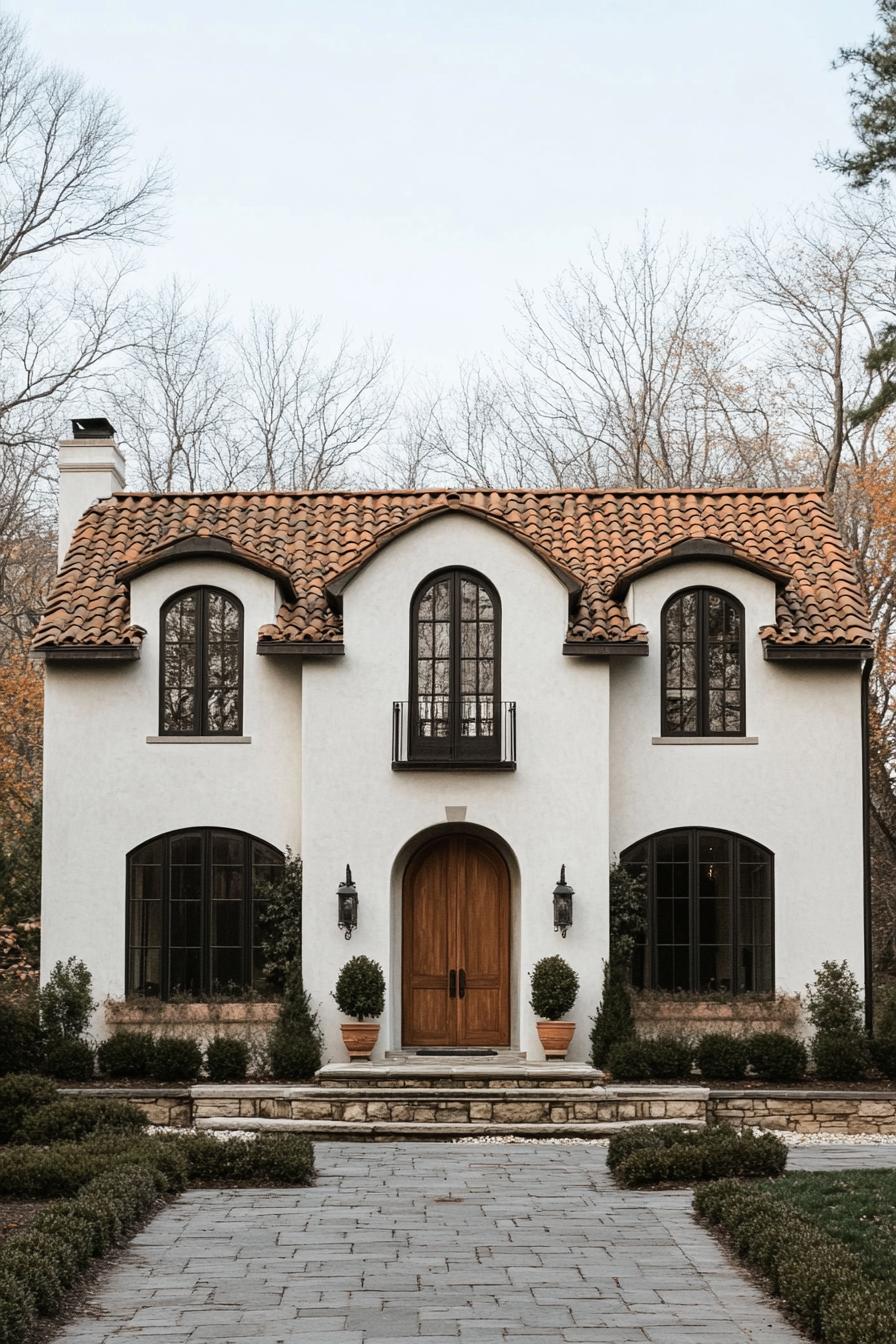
column 64, row 154
column 174, row 396
column 309, row 415
column 627, row 372
column 819, row 288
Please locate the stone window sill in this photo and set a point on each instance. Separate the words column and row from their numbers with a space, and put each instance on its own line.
column 704, row 741
column 199, row 741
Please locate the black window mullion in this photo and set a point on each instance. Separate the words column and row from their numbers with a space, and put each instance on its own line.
column 734, row 917
column 693, row 908
column 165, row 969
column 246, row 914
column 701, row 661
column 205, row 925
column 652, row 952
column 454, row 678
column 201, row 717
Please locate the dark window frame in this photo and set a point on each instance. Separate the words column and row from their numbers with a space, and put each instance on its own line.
column 200, row 725
column 702, row 728
column 206, row 835
column 456, row 746
column 650, row 948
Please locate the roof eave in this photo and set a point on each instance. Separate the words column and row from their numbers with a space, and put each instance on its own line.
column 87, row 653
column 606, row 648
column 816, row 653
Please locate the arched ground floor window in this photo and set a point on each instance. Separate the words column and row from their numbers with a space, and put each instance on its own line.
column 194, row 901
column 710, row 912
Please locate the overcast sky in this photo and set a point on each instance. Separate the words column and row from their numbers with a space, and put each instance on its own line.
column 398, row 166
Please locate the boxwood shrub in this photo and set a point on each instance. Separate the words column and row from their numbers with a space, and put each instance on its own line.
column 777, row 1057
column 126, row 1054
column 176, row 1059
column 70, row 1058
column 841, row 1056
column 820, row 1280
column 657, row 1155
column 76, row 1117
column 662, row 1057
column 21, row 1094
column 227, row 1060
column 721, row 1057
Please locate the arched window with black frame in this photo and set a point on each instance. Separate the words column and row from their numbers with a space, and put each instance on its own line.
column 455, row 668
column 710, row 912
column 201, row 666
column 195, row 899
column 703, row 693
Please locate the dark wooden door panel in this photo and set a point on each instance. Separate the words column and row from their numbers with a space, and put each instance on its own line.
column 456, row 945
column 484, row 946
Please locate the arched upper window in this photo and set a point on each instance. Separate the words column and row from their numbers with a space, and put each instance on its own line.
column 710, row 913
column 703, row 665
column 455, row 668
column 194, row 902
column 201, row 665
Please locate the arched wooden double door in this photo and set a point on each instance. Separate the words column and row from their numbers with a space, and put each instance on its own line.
column 456, row 945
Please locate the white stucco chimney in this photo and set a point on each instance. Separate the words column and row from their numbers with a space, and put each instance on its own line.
column 91, row 467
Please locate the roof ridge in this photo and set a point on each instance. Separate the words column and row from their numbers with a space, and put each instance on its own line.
column 643, row 491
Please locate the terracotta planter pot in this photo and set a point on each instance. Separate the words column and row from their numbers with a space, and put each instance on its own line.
column 555, row 1038
column 359, row 1038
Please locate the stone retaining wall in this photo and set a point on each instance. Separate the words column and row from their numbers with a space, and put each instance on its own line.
column 452, row 1106
column 161, row 1105
column 807, row 1112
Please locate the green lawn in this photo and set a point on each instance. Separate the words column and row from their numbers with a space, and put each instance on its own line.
column 856, row 1207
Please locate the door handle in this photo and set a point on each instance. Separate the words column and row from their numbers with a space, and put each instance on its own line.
column 462, row 983
column 452, row 979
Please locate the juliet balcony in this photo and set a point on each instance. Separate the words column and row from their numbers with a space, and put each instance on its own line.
column 436, row 733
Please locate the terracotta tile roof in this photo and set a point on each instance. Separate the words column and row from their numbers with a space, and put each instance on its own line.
column 596, row 540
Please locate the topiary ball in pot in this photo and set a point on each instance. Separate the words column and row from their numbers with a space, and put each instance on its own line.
column 360, row 993
column 554, row 989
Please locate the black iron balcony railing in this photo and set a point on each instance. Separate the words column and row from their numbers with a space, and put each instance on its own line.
column 472, row 733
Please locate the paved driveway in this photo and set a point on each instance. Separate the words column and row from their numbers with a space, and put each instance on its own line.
column 434, row 1242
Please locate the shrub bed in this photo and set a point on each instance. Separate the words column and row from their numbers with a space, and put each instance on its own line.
column 227, row 1060
column 819, row 1279
column 720, row 1057
column 38, row 1266
column 668, row 1154
column 32, row 1172
column 660, row 1057
column 777, row 1057
column 176, row 1059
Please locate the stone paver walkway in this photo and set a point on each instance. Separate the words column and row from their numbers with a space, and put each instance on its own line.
column 433, row 1242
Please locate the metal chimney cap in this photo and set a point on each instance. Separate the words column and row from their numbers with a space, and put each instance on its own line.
column 98, row 428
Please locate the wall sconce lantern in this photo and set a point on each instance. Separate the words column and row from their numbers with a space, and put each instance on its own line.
column 347, row 903
column 563, row 894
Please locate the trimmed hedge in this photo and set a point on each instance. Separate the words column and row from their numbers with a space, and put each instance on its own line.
column 22, row 1094
column 39, row 1265
column 659, row 1057
column 31, row 1172
column 661, row 1154
column 819, row 1279
column 176, row 1059
column 77, row 1117
column 841, row 1056
column 227, row 1060
column 777, row 1057
column 721, row 1057
column 126, row 1054
column 275, row 1159
column 71, row 1059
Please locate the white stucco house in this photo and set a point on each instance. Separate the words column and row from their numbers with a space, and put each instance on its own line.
column 456, row 693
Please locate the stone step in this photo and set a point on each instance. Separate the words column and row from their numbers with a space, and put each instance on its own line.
column 496, row 1058
column 469, row 1073
column 428, row 1130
